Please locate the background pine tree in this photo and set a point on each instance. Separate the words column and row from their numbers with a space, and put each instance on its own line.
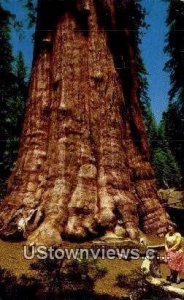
column 173, row 118
column 165, row 165
column 12, row 98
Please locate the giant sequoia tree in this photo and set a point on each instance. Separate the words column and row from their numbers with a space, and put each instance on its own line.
column 83, row 167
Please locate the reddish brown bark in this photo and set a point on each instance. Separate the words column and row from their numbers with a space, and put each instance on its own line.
column 150, row 208
column 80, row 170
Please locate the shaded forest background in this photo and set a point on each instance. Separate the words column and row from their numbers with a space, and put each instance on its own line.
column 166, row 138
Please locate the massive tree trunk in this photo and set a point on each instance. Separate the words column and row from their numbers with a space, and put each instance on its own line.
column 83, row 167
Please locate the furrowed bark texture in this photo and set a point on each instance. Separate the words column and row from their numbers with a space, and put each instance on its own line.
column 83, row 168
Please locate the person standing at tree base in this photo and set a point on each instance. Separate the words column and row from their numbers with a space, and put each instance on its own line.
column 174, row 254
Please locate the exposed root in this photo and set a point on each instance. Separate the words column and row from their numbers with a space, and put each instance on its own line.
column 106, row 217
column 47, row 234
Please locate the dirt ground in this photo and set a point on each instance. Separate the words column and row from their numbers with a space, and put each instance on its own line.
column 12, row 259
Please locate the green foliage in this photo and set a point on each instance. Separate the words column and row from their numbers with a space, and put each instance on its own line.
column 20, row 69
column 174, row 127
column 166, row 168
column 143, row 87
column 175, row 48
column 174, row 116
column 151, row 126
column 6, row 79
column 173, row 120
column 12, row 98
column 165, row 165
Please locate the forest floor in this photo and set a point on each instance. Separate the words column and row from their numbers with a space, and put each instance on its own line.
column 12, row 260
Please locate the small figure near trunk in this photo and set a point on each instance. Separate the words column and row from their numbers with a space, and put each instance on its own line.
column 151, row 265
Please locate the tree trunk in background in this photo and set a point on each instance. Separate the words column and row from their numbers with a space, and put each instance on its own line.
column 83, row 166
